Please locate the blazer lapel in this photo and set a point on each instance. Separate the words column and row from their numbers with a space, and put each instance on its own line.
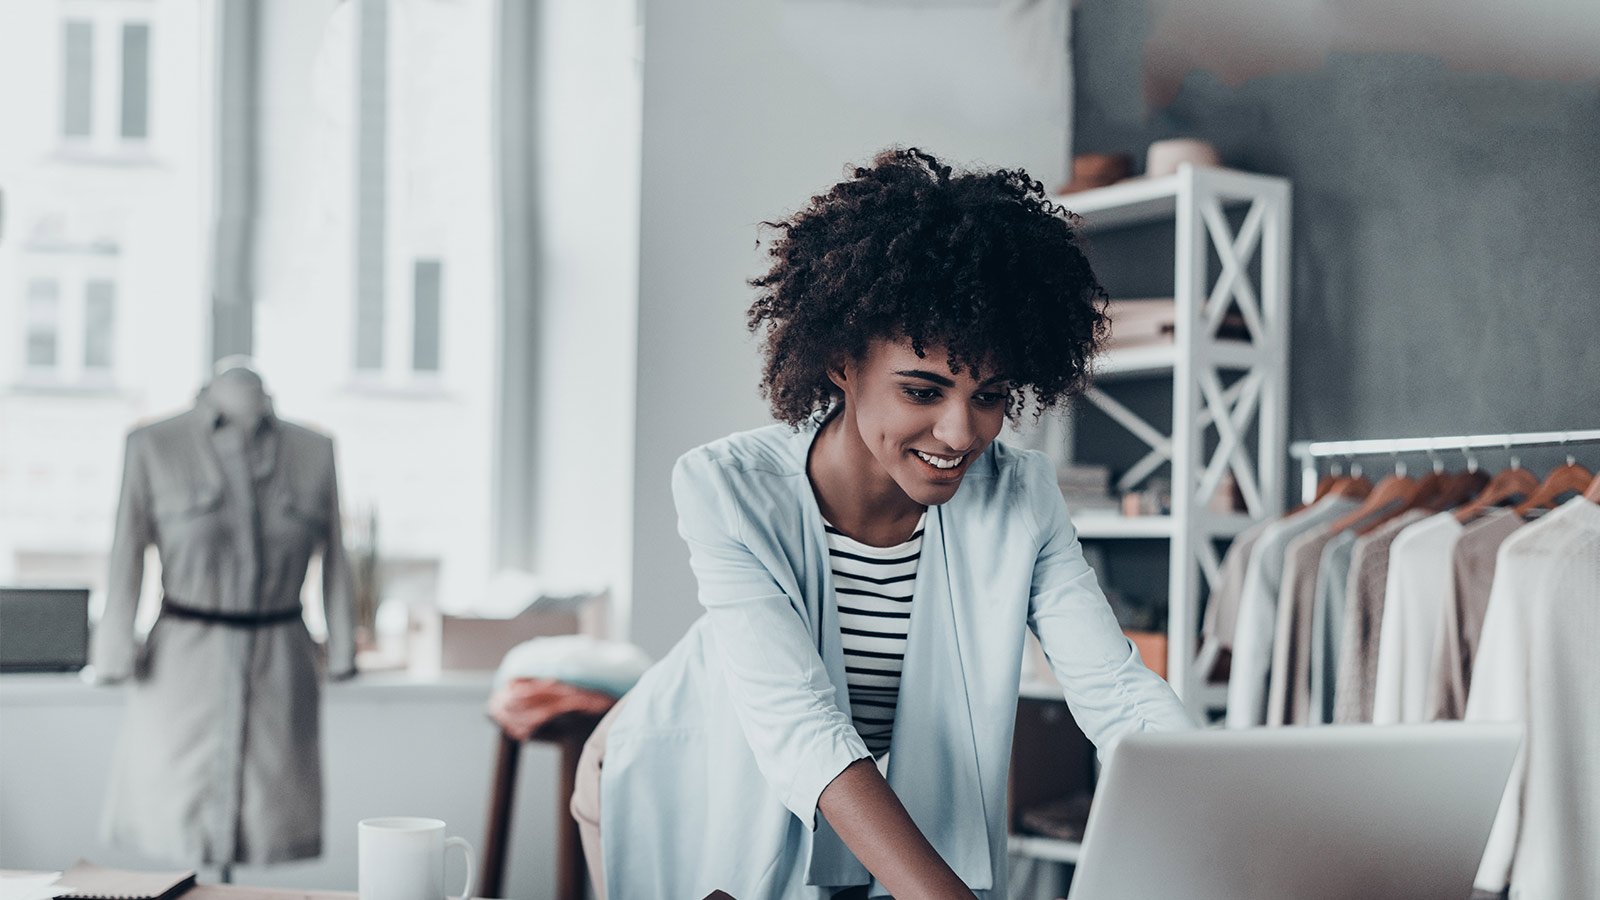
column 830, row 862
column 933, row 760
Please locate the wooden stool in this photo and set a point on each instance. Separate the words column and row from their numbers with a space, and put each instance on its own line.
column 567, row 731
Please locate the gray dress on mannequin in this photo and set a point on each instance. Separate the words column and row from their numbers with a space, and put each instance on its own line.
column 218, row 761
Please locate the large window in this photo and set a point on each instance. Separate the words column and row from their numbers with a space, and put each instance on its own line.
column 325, row 168
column 104, row 166
column 104, row 83
column 387, row 338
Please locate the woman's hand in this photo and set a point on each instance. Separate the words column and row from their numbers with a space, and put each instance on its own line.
column 867, row 815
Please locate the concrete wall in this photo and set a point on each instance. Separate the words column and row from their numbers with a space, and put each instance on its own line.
column 1444, row 227
column 750, row 108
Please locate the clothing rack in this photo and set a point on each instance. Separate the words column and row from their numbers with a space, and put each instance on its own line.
column 1308, row 452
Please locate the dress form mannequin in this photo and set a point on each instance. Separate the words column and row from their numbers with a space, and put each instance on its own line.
column 239, row 392
column 237, row 502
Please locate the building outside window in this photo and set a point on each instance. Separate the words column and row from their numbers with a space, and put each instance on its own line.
column 105, row 77
column 70, row 330
column 104, row 170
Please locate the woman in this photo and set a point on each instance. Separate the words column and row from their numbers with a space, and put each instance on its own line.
column 868, row 572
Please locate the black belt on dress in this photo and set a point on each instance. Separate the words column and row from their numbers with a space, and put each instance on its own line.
column 217, row 617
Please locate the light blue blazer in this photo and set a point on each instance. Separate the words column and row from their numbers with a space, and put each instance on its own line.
column 713, row 768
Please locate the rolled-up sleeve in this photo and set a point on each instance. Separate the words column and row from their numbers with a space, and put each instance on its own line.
column 780, row 691
column 1108, row 688
column 115, row 646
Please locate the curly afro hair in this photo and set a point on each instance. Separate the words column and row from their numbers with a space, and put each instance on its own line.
column 980, row 263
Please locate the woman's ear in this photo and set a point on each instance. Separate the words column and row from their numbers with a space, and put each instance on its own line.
column 838, row 374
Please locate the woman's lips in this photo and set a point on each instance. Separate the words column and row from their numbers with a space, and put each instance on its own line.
column 934, row 473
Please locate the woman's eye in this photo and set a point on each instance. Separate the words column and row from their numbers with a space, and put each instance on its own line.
column 922, row 395
column 991, row 399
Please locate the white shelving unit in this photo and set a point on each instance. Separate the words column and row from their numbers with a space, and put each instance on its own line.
column 1197, row 363
column 1196, row 201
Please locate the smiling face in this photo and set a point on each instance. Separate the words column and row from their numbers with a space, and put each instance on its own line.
column 922, row 424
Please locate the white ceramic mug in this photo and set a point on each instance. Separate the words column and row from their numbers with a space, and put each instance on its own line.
column 402, row 858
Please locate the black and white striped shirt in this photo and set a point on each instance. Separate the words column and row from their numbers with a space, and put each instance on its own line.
column 872, row 587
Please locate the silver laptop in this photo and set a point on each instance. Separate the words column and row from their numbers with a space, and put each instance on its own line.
column 1336, row 812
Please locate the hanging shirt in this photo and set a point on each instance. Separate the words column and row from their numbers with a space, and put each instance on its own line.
column 1258, row 609
column 1327, row 619
column 1456, row 642
column 1222, row 609
column 1289, row 681
column 872, row 586
column 1363, row 619
column 1536, row 666
column 1420, row 582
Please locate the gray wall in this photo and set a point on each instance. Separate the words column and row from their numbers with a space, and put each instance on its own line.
column 751, row 107
column 1446, row 233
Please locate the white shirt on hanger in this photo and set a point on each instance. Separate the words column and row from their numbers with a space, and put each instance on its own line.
column 1421, row 581
column 1535, row 665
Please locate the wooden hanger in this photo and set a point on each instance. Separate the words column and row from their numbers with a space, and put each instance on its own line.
column 1468, row 484
column 1393, row 494
column 1433, row 489
column 1593, row 493
column 1355, row 486
column 1334, row 476
column 1570, row 478
column 1507, row 484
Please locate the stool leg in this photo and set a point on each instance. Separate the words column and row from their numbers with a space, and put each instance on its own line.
column 501, row 793
column 571, row 870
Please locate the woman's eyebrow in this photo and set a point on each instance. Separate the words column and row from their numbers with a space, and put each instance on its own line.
column 940, row 379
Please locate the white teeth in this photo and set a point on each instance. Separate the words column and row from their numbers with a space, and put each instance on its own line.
column 939, row 462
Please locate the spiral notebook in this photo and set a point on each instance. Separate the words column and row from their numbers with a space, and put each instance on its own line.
column 91, row 882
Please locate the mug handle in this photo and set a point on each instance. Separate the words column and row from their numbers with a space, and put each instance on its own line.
column 466, row 851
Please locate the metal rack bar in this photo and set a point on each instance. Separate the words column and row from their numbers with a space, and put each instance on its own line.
column 1321, row 449
column 1308, row 452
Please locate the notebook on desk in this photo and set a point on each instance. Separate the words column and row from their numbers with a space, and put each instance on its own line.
column 91, row 882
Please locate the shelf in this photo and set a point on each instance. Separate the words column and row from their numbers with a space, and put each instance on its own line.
column 1111, row 525
column 1161, row 359
column 1141, row 201
column 1044, row 848
column 1136, row 201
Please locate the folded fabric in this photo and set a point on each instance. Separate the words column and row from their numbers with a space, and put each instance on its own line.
column 522, row 706
column 610, row 667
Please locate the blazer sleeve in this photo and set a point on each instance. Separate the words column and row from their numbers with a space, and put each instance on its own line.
column 780, row 692
column 338, row 583
column 1108, row 688
column 114, row 646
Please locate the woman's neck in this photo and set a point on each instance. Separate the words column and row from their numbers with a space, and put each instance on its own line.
column 853, row 491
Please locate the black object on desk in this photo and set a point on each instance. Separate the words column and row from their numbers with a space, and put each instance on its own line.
column 44, row 629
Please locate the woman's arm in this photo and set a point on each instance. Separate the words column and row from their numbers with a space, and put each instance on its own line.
column 868, row 816
column 1108, row 688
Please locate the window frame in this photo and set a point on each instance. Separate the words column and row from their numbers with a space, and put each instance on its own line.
column 72, row 273
column 107, row 23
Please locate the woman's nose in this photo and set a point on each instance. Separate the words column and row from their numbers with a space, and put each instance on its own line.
column 955, row 427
